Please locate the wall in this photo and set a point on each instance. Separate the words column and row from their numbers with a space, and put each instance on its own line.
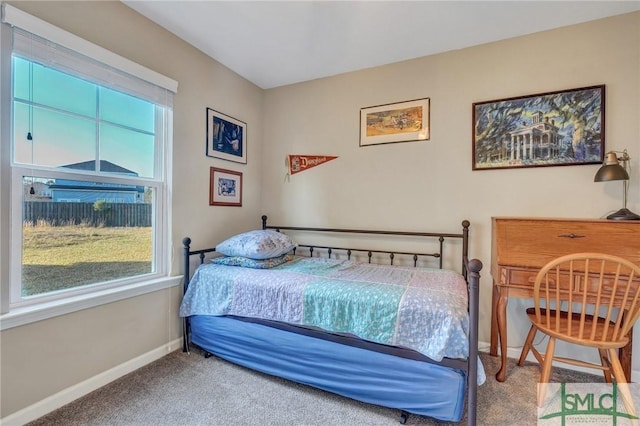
column 430, row 185
column 410, row 186
column 43, row 359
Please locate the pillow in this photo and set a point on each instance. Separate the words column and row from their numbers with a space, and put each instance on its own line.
column 262, row 244
column 245, row 262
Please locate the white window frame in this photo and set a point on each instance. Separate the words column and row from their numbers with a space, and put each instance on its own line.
column 49, row 305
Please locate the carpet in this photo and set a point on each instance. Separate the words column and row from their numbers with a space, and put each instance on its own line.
column 188, row 389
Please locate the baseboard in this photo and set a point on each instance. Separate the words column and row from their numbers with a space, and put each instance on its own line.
column 515, row 353
column 78, row 390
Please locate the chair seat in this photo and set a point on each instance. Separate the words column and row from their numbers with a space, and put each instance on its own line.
column 603, row 337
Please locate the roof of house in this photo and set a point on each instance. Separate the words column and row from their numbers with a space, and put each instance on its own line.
column 105, row 166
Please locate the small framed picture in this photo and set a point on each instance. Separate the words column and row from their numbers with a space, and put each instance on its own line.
column 225, row 187
column 398, row 122
column 226, row 137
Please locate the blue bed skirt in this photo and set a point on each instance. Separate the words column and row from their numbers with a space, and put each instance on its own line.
column 377, row 378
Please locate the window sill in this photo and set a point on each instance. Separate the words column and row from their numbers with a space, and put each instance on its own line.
column 38, row 312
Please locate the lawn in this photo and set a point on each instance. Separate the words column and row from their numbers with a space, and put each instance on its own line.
column 60, row 257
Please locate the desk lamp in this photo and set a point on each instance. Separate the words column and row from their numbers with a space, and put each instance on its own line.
column 612, row 170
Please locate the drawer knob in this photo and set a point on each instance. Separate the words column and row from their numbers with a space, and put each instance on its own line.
column 571, row 236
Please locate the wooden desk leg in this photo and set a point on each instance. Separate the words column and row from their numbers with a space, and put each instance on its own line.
column 493, row 349
column 501, row 313
column 624, row 353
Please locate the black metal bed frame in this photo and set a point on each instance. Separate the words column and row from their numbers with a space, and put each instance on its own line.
column 470, row 270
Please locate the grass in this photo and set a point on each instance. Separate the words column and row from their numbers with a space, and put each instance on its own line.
column 61, row 257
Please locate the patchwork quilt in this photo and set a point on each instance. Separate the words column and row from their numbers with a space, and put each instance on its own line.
column 419, row 308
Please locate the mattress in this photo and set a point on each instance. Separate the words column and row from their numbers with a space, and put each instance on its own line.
column 372, row 377
column 418, row 308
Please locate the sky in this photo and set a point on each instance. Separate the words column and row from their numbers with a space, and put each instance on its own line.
column 73, row 120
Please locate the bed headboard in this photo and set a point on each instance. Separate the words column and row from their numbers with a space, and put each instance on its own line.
column 440, row 236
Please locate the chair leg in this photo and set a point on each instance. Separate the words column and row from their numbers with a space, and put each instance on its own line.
column 606, row 364
column 621, row 382
column 546, row 370
column 527, row 345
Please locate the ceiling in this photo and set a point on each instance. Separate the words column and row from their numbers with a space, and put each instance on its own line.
column 276, row 43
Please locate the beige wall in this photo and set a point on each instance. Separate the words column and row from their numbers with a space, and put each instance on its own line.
column 46, row 357
column 430, row 185
column 43, row 358
column 419, row 185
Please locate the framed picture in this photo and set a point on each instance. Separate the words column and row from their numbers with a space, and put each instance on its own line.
column 226, row 137
column 225, row 187
column 399, row 122
column 561, row 128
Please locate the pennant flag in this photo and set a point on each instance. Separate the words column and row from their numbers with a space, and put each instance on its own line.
column 300, row 163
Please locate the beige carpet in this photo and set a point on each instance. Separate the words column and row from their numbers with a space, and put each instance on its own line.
column 182, row 389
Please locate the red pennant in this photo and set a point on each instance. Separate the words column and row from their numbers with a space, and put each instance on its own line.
column 300, row 163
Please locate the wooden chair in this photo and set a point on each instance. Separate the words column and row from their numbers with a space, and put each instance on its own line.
column 588, row 299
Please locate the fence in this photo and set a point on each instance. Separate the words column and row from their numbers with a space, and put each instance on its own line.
column 111, row 214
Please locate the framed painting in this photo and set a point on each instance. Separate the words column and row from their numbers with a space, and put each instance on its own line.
column 562, row 128
column 226, row 137
column 225, row 188
column 399, row 122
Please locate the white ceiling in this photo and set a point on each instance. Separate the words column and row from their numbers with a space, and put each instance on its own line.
column 275, row 43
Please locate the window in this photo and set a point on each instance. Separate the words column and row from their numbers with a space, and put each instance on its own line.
column 89, row 170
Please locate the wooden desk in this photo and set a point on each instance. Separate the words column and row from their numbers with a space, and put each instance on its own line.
column 521, row 246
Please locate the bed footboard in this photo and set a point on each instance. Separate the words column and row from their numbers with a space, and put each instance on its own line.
column 474, row 267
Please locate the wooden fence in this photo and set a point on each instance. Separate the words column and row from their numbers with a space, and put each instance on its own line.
column 111, row 214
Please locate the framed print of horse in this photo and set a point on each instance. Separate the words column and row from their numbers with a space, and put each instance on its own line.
column 397, row 122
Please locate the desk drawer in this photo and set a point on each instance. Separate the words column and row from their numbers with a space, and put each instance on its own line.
column 534, row 242
column 518, row 277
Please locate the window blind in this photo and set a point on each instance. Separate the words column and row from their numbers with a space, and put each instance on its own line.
column 89, row 61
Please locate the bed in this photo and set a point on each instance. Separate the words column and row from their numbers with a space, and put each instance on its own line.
column 399, row 335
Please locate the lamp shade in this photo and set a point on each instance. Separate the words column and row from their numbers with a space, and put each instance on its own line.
column 611, row 170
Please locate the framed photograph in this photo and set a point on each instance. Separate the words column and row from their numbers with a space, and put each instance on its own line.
column 561, row 128
column 225, row 188
column 399, row 122
column 226, row 137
